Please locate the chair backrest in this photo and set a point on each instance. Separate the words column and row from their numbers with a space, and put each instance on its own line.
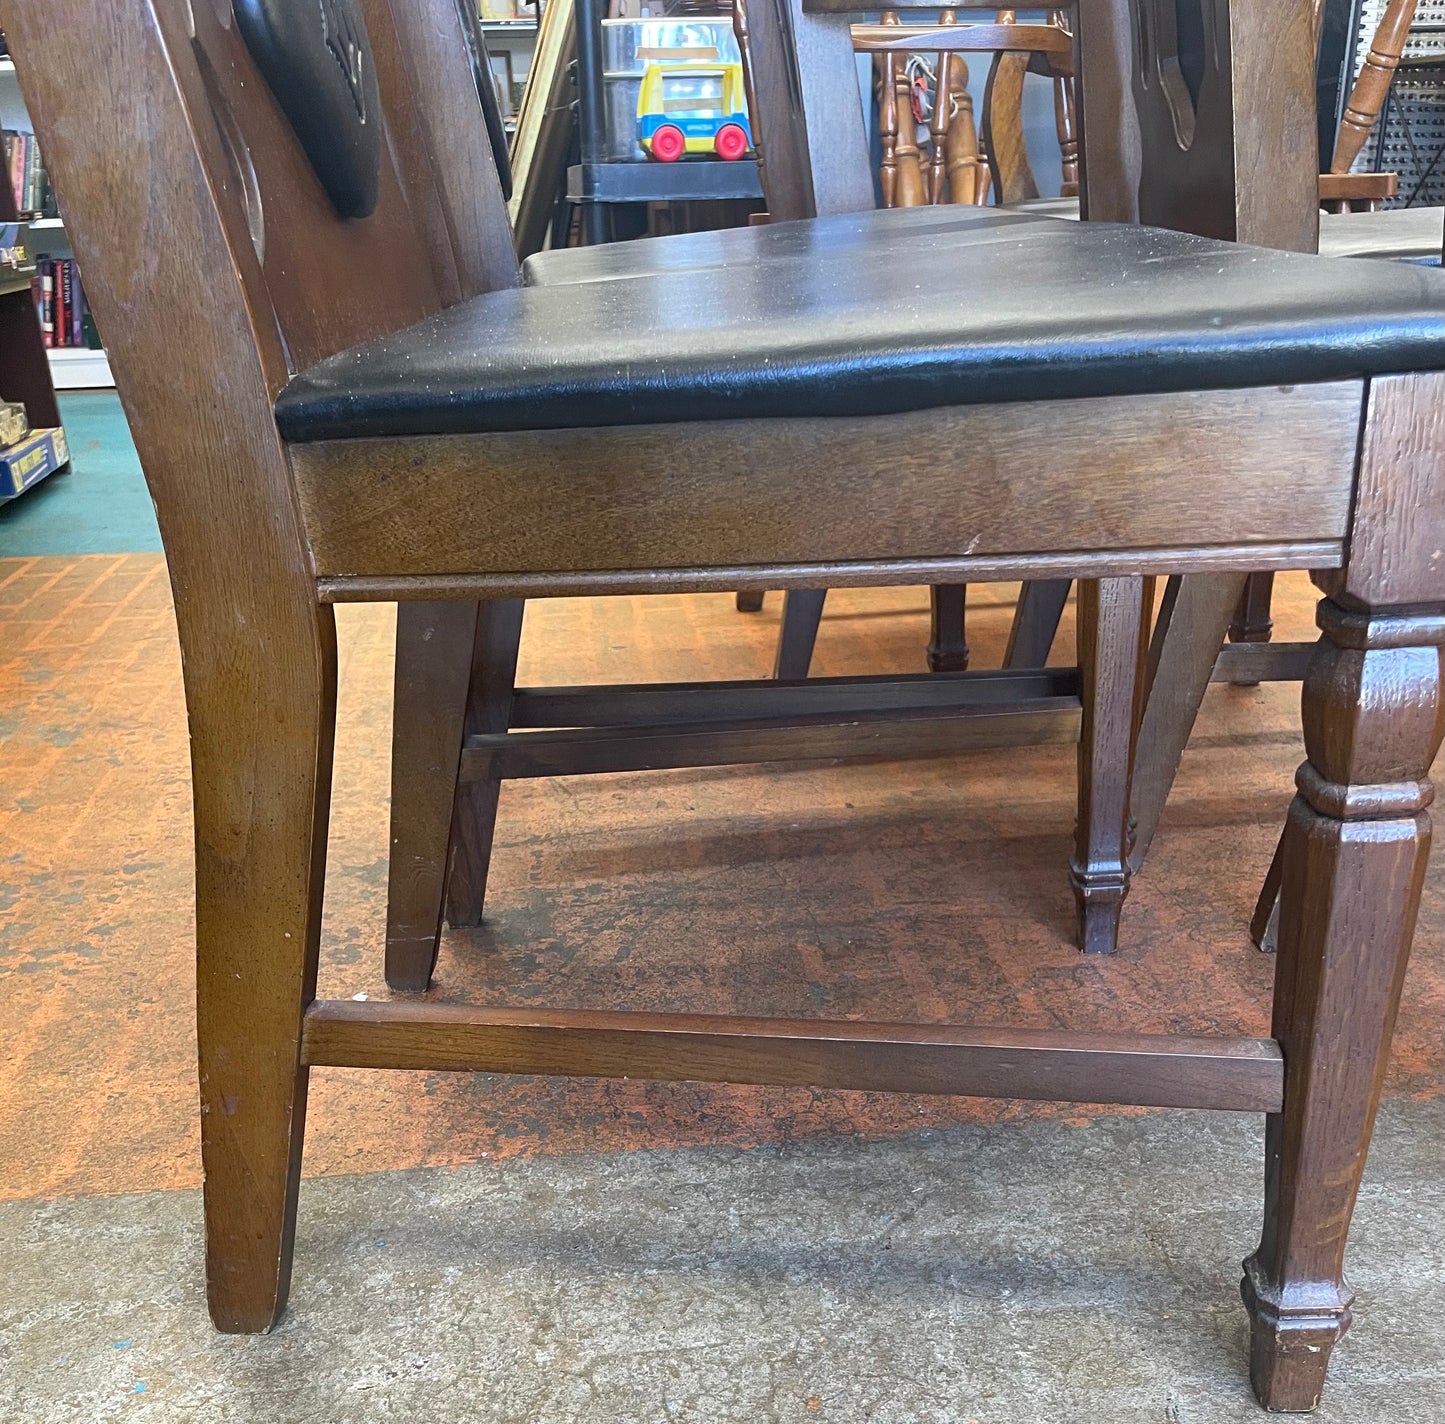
column 807, row 109
column 1199, row 115
column 1196, row 115
column 1367, row 98
column 963, row 166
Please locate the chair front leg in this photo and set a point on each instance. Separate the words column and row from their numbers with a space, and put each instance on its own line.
column 1352, row 865
column 1111, row 614
column 1351, row 869
column 262, row 719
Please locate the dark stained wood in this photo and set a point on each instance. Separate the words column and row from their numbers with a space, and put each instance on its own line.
column 1352, row 867
column 1252, row 622
column 433, row 672
column 1223, row 166
column 1193, row 617
column 1036, row 621
column 1264, row 923
column 919, row 732
column 802, row 612
column 647, row 704
column 765, row 38
column 1110, row 621
column 1242, row 1074
column 749, row 600
column 1401, row 477
column 1110, row 151
column 1172, row 471
column 488, row 711
column 859, row 573
column 1245, row 664
column 947, row 643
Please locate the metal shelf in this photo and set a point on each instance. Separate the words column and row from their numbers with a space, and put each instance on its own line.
column 686, row 182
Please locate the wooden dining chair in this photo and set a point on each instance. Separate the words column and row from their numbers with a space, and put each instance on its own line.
column 312, row 435
column 969, row 159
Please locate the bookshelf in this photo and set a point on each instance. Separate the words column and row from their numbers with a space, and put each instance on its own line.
column 71, row 367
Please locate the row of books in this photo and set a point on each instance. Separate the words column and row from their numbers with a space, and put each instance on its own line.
column 33, row 193
column 65, row 318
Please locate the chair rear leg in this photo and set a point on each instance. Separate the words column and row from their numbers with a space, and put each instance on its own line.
column 262, row 719
column 1111, row 614
column 1252, row 622
column 802, row 612
column 947, row 643
column 749, row 600
column 434, row 648
column 1036, row 622
column 489, row 709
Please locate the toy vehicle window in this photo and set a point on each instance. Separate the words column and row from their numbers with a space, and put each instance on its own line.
column 692, row 93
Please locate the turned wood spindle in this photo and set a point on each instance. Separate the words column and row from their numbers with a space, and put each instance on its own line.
column 1367, row 98
column 909, row 190
column 939, row 122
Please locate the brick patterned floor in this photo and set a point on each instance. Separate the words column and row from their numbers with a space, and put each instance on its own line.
column 933, row 890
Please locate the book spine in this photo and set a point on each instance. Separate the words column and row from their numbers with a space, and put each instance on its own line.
column 62, row 303
column 77, row 314
column 17, row 170
column 47, row 302
column 33, row 177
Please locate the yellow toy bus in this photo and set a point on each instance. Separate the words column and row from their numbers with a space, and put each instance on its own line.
column 693, row 108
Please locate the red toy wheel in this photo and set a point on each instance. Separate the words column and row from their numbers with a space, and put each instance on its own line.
column 731, row 142
column 668, row 144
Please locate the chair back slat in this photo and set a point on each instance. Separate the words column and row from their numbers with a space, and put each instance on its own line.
column 1198, row 115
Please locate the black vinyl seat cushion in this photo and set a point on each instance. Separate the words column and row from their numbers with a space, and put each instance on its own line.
column 870, row 314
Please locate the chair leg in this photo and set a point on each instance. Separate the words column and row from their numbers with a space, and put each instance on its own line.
column 262, row 720
column 489, row 709
column 749, row 600
column 802, row 612
column 1110, row 624
column 1353, row 865
column 1252, row 622
column 947, row 645
column 434, row 645
column 1193, row 616
column 1036, row 622
column 1264, row 923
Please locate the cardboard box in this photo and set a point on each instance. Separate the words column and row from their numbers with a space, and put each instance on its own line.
column 41, row 453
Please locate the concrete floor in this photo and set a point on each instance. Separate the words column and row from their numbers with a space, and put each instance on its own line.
column 1009, row 1274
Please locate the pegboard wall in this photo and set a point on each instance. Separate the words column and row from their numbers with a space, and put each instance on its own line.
column 1410, row 137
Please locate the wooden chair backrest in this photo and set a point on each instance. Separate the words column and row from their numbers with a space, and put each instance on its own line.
column 961, row 169
column 1207, row 127
column 808, row 121
column 1367, row 98
column 1238, row 160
